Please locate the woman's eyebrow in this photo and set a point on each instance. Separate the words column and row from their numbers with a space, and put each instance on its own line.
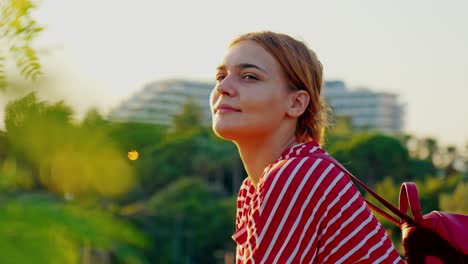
column 250, row 65
column 242, row 66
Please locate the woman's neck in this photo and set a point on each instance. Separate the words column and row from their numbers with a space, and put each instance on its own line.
column 257, row 155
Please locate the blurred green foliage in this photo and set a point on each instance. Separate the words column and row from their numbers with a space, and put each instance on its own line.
column 372, row 156
column 66, row 158
column 86, row 195
column 70, row 185
column 18, row 29
column 39, row 228
column 457, row 201
column 198, row 218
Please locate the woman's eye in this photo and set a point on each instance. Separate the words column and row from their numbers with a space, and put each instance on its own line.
column 220, row 77
column 249, row 77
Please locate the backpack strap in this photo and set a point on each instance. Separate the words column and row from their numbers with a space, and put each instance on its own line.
column 402, row 215
column 409, row 194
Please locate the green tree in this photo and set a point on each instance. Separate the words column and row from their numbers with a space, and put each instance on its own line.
column 453, row 155
column 195, row 153
column 192, row 220
column 411, row 143
column 419, row 169
column 457, row 201
column 4, row 146
column 94, row 120
column 340, row 130
column 428, row 148
column 32, row 125
column 191, row 117
column 420, row 164
column 137, row 136
column 35, row 225
column 432, row 187
column 13, row 177
column 18, row 29
column 65, row 158
column 372, row 157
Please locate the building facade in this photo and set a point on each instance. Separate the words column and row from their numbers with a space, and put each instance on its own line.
column 379, row 111
column 159, row 101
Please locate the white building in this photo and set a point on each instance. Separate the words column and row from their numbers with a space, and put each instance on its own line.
column 159, row 101
column 379, row 111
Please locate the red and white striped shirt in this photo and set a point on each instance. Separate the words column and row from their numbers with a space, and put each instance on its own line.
column 306, row 210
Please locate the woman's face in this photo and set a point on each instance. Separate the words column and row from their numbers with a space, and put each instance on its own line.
column 249, row 100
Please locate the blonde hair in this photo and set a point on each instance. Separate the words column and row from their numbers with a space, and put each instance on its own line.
column 303, row 71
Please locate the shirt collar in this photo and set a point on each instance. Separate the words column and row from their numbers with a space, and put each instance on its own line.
column 301, row 150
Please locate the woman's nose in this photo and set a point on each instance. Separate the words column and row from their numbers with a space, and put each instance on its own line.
column 225, row 87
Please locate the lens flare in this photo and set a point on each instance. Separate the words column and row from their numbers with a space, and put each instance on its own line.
column 133, row 155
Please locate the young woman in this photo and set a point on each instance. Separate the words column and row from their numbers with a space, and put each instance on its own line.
column 293, row 207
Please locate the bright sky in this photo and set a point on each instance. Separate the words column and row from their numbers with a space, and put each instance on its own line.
column 103, row 51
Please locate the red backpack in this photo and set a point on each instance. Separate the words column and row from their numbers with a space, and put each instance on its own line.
column 437, row 237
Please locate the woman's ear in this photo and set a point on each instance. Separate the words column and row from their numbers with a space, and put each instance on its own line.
column 297, row 103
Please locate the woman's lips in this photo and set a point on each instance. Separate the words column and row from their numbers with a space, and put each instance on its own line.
column 226, row 109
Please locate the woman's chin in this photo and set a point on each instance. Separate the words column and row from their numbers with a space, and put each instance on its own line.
column 237, row 134
column 228, row 133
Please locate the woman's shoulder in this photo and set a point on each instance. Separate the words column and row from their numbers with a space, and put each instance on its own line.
column 301, row 170
column 307, row 152
column 245, row 187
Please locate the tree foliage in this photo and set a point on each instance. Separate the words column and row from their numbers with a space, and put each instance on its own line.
column 457, row 201
column 35, row 225
column 18, row 29
column 372, row 157
column 193, row 153
column 193, row 220
column 180, row 193
column 191, row 117
column 65, row 158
